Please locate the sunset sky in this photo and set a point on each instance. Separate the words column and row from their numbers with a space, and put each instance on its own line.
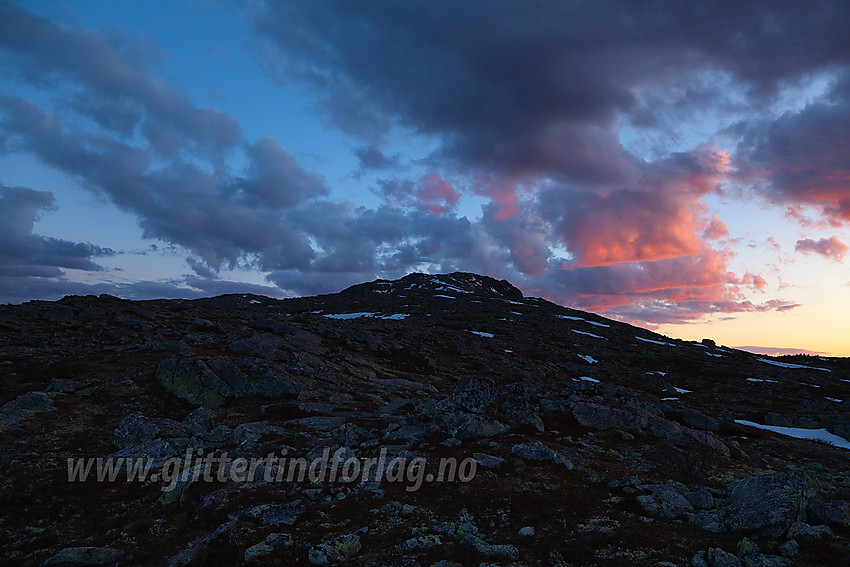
column 683, row 166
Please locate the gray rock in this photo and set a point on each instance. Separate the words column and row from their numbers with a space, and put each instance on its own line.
column 277, row 514
column 261, row 345
column 156, row 451
column 773, row 418
column 27, row 405
column 696, row 419
column 701, row 499
column 765, row 505
column 800, row 530
column 833, row 514
column 13, row 414
column 790, row 548
column 698, row 560
column 481, row 427
column 709, row 521
column 537, row 451
column 85, row 556
column 474, row 394
column 665, row 502
column 597, row 416
column 137, row 429
column 719, row 558
column 199, row 420
column 493, row 551
column 419, row 544
column 526, row 531
column 246, row 435
column 488, row 461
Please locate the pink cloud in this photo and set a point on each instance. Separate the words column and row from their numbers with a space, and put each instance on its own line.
column 828, row 247
column 436, row 196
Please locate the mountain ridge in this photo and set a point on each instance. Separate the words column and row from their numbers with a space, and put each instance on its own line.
column 595, row 442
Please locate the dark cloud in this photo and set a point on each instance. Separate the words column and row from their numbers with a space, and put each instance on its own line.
column 801, row 158
column 23, row 253
column 111, row 82
column 523, row 87
column 831, row 248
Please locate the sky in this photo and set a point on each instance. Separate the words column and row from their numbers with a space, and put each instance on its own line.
column 683, row 166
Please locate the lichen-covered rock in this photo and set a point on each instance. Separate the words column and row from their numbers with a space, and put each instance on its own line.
column 336, row 551
column 272, row 542
column 192, row 379
column 15, row 412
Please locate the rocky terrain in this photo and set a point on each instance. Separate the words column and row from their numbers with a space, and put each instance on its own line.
column 577, row 440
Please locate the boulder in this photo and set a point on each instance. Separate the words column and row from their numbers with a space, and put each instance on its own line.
column 537, row 451
column 597, row 416
column 765, row 505
column 665, row 501
column 137, row 429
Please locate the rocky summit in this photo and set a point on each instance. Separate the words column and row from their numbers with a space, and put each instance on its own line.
column 436, row 420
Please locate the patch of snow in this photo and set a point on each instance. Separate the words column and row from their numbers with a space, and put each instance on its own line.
column 836, row 400
column 349, row 315
column 668, row 399
column 506, row 350
column 762, row 380
column 789, row 365
column 446, row 296
column 588, row 334
column 682, row 390
column 482, row 334
column 573, row 318
column 587, row 358
column 655, row 342
column 714, row 355
column 800, row 433
column 254, row 301
column 588, row 379
column 397, row 316
column 381, row 290
column 516, row 313
column 319, row 311
column 512, row 302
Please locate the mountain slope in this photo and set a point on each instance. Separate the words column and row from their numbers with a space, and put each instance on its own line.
column 592, row 441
